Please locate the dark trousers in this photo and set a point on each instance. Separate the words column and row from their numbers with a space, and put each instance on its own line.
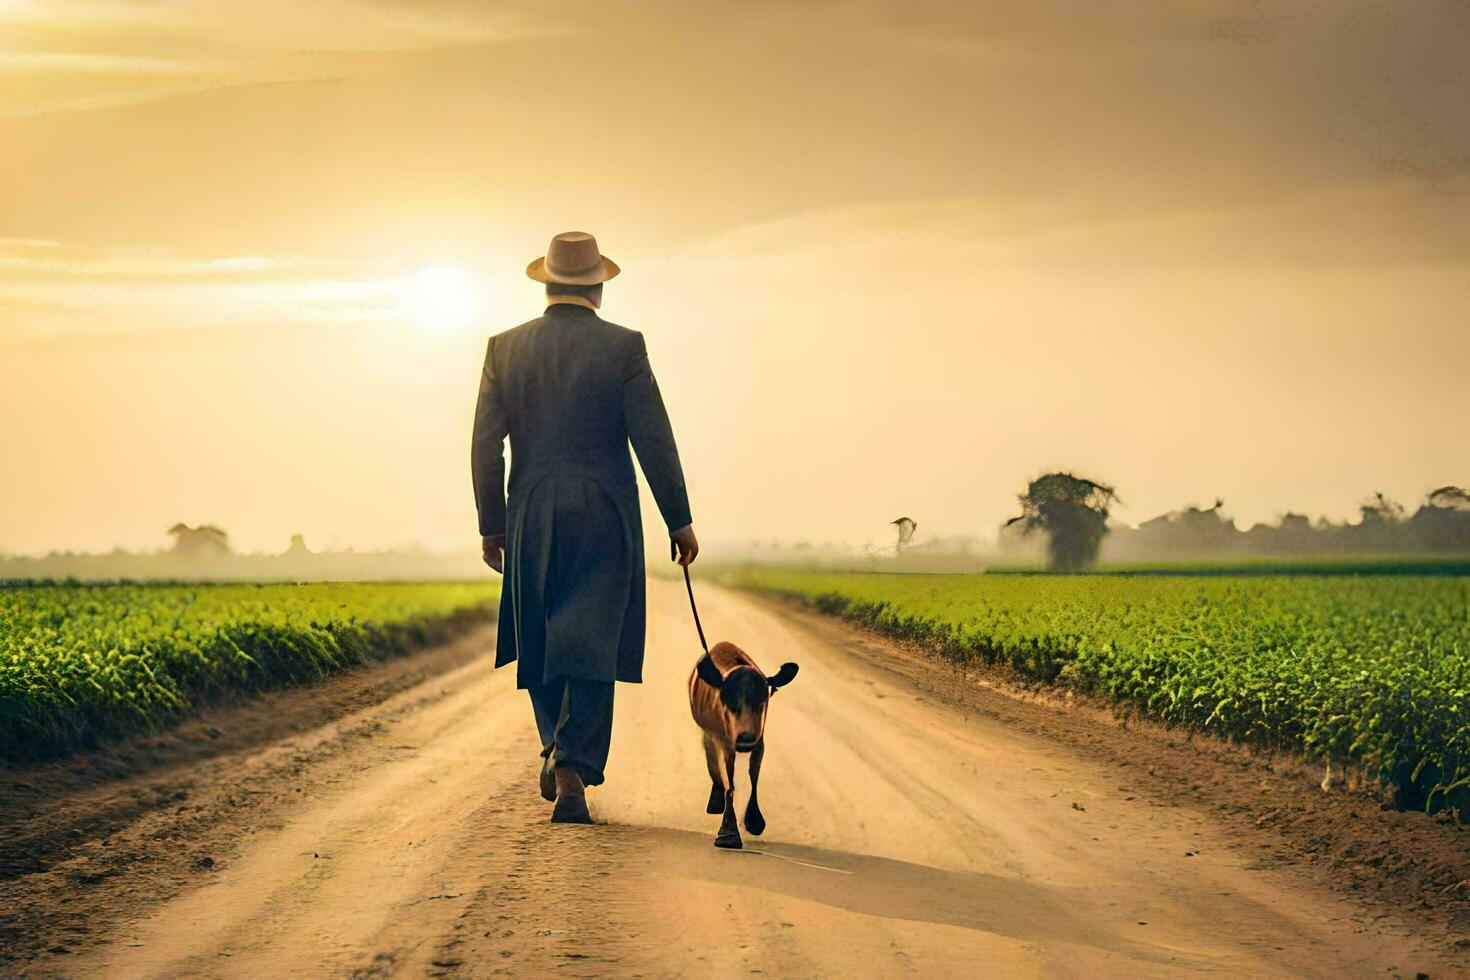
column 574, row 718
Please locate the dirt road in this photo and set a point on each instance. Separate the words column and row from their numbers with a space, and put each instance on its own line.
column 906, row 837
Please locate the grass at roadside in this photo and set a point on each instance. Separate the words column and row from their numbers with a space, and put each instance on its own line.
column 82, row 662
column 1369, row 671
column 1319, row 565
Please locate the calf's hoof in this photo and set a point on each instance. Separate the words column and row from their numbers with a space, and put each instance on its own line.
column 729, row 839
column 754, row 823
column 716, row 802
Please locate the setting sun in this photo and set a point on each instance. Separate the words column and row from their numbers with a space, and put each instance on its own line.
column 438, row 298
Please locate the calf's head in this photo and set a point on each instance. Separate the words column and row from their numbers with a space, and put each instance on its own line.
column 745, row 693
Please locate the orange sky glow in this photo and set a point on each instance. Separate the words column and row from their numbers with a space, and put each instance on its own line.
column 889, row 257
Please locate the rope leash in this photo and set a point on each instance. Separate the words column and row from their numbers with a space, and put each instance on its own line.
column 689, row 587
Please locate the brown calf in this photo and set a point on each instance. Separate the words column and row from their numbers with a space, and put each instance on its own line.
column 728, row 696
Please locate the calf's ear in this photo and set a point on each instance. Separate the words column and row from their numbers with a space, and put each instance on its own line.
column 708, row 672
column 784, row 676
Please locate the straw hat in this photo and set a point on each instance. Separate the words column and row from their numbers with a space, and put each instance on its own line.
column 573, row 258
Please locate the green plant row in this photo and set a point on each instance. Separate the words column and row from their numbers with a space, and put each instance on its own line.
column 78, row 663
column 1371, row 671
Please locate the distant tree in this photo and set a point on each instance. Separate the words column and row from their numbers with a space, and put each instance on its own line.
column 1443, row 523
column 195, row 542
column 1295, row 523
column 1380, row 527
column 906, row 527
column 1072, row 512
column 1380, row 511
column 1197, row 530
column 1450, row 498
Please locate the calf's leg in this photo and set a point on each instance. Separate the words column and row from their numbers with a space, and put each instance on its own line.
column 729, row 835
column 755, row 823
column 717, row 785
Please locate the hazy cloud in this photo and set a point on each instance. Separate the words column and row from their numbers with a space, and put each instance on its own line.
column 52, row 288
column 1391, row 222
column 87, row 54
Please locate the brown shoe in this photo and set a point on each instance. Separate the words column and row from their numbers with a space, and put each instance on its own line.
column 571, row 798
column 548, row 780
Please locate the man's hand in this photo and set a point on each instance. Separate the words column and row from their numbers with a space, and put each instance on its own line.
column 686, row 544
column 493, row 550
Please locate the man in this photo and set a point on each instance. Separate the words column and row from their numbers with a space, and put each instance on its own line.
column 571, row 391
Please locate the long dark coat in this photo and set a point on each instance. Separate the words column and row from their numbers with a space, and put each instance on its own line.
column 571, row 390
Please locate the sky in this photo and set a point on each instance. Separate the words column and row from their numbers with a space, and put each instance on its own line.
column 890, row 258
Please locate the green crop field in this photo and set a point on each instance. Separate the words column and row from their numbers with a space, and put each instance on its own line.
column 78, row 662
column 1373, row 671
